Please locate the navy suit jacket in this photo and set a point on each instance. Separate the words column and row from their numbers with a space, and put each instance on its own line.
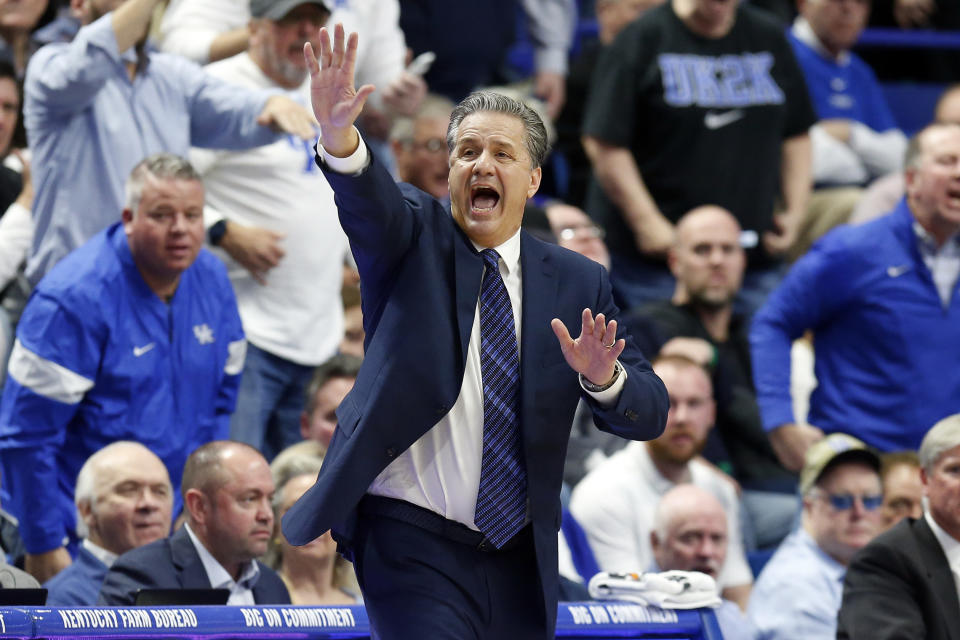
column 173, row 563
column 420, row 279
column 78, row 584
column 900, row 586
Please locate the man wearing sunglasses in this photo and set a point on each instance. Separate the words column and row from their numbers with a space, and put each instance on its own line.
column 798, row 593
column 905, row 583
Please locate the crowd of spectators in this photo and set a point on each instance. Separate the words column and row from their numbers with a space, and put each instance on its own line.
column 180, row 315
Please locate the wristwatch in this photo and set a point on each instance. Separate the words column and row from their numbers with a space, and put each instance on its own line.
column 595, row 388
column 216, row 232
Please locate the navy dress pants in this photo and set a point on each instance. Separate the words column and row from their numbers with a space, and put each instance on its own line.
column 436, row 583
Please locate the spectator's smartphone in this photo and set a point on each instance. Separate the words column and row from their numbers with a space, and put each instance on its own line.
column 421, row 64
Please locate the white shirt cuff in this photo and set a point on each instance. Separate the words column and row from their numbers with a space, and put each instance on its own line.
column 608, row 397
column 352, row 164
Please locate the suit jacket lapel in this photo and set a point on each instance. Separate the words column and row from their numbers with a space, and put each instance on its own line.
column 940, row 576
column 187, row 562
column 540, row 286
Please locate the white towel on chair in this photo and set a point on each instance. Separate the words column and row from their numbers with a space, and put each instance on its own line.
column 667, row 590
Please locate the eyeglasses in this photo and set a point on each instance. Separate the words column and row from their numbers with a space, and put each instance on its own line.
column 588, row 230
column 845, row 501
column 433, row 145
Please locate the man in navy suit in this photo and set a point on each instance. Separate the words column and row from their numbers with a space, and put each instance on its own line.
column 905, row 584
column 227, row 488
column 447, row 425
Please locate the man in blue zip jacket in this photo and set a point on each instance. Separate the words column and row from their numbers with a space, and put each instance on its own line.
column 133, row 336
column 881, row 300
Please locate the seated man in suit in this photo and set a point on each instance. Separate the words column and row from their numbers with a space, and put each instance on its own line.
column 227, row 488
column 902, row 487
column 905, row 583
column 442, row 480
column 124, row 500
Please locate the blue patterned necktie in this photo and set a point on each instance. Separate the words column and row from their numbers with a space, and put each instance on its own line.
column 502, row 499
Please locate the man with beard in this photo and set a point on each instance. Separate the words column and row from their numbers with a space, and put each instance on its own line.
column 95, row 107
column 699, row 322
column 272, row 212
column 798, row 593
column 690, row 534
column 227, row 491
column 615, row 502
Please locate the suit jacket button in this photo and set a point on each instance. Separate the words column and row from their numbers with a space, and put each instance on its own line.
column 391, row 452
column 440, row 411
column 631, row 415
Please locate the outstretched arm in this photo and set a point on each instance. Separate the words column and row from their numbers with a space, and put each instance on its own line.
column 336, row 102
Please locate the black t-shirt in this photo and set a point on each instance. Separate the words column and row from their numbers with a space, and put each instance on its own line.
column 754, row 463
column 570, row 122
column 704, row 118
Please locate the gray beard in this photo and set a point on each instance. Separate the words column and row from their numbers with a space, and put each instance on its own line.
column 291, row 74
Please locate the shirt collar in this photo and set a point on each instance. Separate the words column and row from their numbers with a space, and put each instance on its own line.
column 803, row 32
column 509, row 251
column 655, row 479
column 928, row 244
column 836, row 569
column 951, row 546
column 98, row 552
column 218, row 576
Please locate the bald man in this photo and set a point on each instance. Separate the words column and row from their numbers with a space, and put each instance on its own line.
column 690, row 534
column 227, row 488
column 615, row 501
column 124, row 500
column 699, row 322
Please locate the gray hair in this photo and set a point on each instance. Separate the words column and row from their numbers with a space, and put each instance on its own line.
column 535, row 139
column 85, row 489
column 163, row 166
column 433, row 106
column 942, row 437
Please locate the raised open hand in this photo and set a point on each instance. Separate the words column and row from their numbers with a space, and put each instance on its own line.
column 336, row 102
column 594, row 353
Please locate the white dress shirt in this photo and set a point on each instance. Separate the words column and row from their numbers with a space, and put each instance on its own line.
column 98, row 552
column 951, row 547
column 441, row 470
column 241, row 591
column 943, row 261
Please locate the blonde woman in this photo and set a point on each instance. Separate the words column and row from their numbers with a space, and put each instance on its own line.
column 314, row 573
